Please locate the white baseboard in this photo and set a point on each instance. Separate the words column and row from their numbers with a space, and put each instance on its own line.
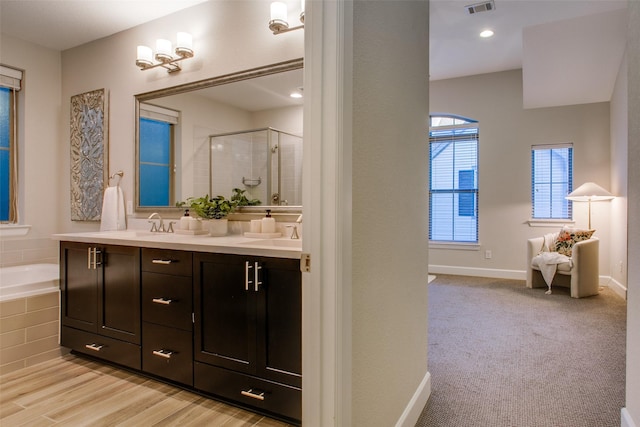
column 626, row 421
column 412, row 412
column 616, row 287
column 497, row 273
column 478, row 272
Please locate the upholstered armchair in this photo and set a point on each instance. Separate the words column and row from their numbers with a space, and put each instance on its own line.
column 580, row 273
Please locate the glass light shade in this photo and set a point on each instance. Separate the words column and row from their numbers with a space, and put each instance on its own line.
column 278, row 11
column 144, row 56
column 184, row 47
column 184, row 40
column 302, row 11
column 163, row 50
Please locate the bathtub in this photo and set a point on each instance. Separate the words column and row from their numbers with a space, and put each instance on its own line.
column 28, row 280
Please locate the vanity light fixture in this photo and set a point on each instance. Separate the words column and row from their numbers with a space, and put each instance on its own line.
column 278, row 23
column 164, row 54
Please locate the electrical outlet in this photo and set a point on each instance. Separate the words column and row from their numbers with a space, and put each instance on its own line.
column 620, row 267
column 487, row 254
column 129, row 207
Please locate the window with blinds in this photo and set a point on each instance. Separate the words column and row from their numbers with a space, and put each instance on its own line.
column 551, row 181
column 10, row 85
column 156, row 145
column 453, row 184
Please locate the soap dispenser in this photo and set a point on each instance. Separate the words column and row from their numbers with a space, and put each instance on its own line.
column 268, row 223
column 185, row 220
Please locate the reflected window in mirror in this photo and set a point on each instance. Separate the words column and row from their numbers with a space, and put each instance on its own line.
column 157, row 163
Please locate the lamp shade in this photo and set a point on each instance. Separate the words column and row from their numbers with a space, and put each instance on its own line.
column 590, row 192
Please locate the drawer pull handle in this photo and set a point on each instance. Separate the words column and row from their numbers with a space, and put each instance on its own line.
column 163, row 353
column 161, row 261
column 162, row 301
column 253, row 395
column 94, row 347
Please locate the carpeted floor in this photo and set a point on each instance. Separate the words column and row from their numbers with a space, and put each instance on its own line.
column 504, row 355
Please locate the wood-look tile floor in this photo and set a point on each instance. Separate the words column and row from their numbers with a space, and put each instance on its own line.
column 72, row 391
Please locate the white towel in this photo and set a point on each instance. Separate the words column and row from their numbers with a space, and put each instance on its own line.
column 113, row 215
column 548, row 262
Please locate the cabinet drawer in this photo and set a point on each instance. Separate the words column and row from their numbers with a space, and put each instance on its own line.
column 266, row 396
column 167, row 300
column 167, row 352
column 110, row 349
column 166, row 261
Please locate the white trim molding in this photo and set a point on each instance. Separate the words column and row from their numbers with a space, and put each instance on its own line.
column 418, row 401
column 11, row 230
column 617, row 287
column 478, row 272
column 626, row 420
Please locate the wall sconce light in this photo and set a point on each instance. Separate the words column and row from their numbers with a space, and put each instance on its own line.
column 164, row 54
column 590, row 192
column 278, row 23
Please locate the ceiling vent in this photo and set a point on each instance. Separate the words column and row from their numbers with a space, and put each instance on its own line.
column 484, row 6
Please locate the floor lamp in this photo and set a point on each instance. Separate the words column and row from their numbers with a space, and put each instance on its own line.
column 590, row 192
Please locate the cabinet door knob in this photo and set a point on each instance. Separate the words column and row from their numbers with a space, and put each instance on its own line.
column 257, row 281
column 161, row 261
column 93, row 346
column 247, row 282
column 163, row 353
column 162, row 301
column 254, row 395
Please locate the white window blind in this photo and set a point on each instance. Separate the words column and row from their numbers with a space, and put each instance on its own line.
column 10, row 78
column 551, row 181
column 453, row 191
column 149, row 111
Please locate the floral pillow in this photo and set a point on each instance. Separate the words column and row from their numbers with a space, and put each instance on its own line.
column 569, row 237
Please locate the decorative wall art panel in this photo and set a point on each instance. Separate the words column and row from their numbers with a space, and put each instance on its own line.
column 89, row 154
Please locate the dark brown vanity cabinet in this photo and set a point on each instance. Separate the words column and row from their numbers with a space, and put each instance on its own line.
column 167, row 307
column 247, row 337
column 100, row 301
column 228, row 326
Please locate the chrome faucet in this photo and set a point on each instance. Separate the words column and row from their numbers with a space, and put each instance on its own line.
column 294, row 232
column 160, row 226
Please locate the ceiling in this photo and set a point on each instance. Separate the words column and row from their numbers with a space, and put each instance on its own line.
column 569, row 50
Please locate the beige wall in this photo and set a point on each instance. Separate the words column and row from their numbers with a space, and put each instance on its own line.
column 389, row 208
column 633, row 301
column 228, row 36
column 507, row 132
column 617, row 252
column 39, row 131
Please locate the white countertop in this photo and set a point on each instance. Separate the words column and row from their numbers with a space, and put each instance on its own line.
column 232, row 244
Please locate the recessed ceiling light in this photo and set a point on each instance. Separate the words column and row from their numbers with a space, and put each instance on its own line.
column 296, row 93
column 486, row 33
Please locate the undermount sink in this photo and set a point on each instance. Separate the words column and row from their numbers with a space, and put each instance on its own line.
column 281, row 243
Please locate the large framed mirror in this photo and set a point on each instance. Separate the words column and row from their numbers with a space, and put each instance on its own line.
column 237, row 131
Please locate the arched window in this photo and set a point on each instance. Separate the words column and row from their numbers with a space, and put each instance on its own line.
column 453, row 184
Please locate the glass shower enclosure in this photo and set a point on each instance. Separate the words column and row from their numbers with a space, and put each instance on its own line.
column 266, row 163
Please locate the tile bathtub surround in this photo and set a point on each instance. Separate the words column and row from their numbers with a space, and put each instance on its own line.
column 29, row 331
column 18, row 251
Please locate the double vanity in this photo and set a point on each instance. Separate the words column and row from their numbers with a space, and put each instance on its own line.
column 217, row 315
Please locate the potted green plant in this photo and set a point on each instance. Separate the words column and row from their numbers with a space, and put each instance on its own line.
column 240, row 199
column 214, row 209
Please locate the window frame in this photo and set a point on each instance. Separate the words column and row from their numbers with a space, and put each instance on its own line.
column 172, row 118
column 567, row 205
column 11, row 80
column 461, row 129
